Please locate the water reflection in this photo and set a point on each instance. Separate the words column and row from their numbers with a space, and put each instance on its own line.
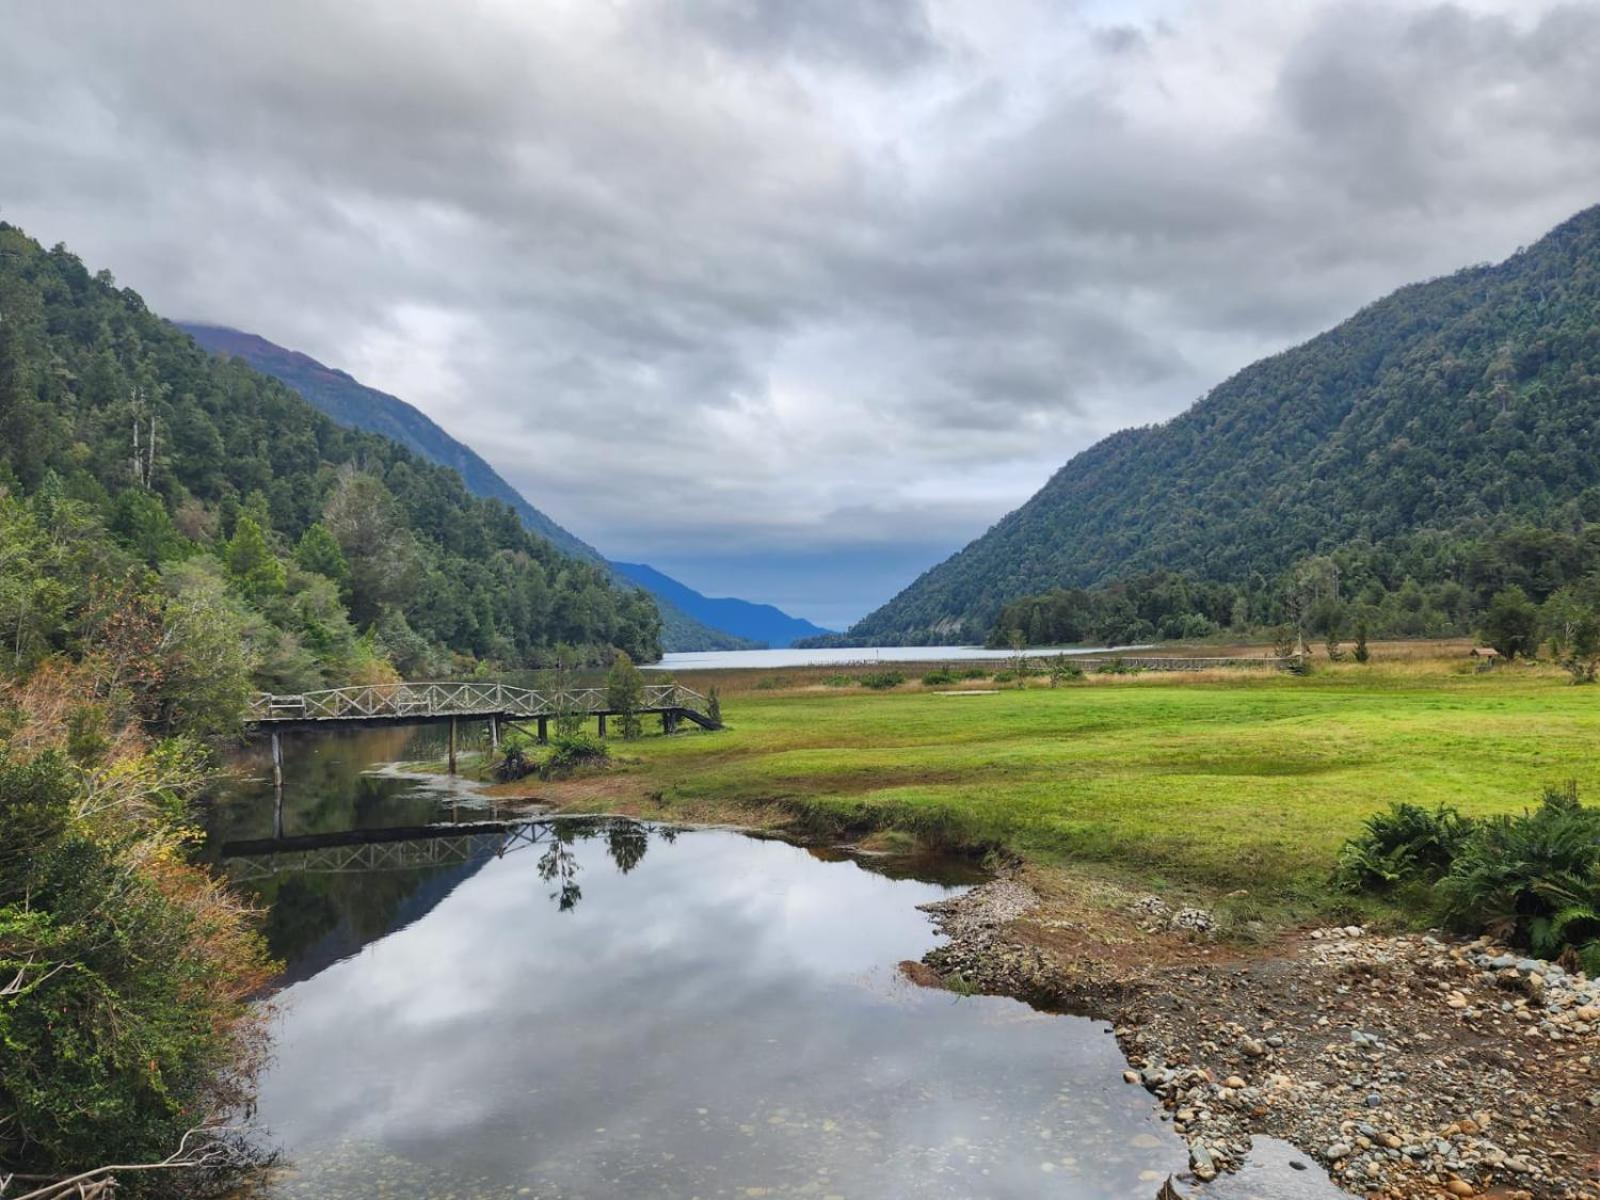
column 608, row 1009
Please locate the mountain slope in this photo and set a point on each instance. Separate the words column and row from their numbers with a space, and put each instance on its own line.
column 758, row 622
column 313, row 552
column 1463, row 401
column 353, row 404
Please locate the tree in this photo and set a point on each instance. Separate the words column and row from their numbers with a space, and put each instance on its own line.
column 625, row 693
column 385, row 568
column 256, row 571
column 1573, row 628
column 1511, row 624
column 1362, row 654
column 320, row 552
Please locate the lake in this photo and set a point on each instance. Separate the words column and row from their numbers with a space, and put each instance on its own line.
column 717, row 660
column 594, row 1007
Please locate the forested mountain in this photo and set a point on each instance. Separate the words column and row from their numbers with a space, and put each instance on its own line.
column 760, row 623
column 352, row 403
column 141, row 475
column 1451, row 422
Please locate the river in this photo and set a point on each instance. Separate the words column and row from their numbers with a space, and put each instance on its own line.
column 598, row 1008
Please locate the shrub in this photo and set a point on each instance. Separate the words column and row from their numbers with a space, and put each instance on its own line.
column 939, row 677
column 975, row 673
column 1402, row 844
column 772, row 683
column 881, row 680
column 1116, row 667
column 516, row 760
column 570, row 751
column 840, row 681
column 1533, row 878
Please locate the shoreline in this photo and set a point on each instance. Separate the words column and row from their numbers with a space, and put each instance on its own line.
column 1407, row 1065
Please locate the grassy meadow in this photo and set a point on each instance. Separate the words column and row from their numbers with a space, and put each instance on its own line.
column 1208, row 782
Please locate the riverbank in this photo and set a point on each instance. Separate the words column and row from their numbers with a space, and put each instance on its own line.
column 1227, row 793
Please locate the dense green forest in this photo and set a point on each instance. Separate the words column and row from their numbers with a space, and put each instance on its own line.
column 1428, row 585
column 153, row 492
column 1452, row 422
column 353, row 404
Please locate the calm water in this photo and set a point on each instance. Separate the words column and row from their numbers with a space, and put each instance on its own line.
column 712, row 660
column 606, row 1009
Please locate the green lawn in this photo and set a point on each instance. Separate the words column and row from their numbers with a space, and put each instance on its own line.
column 1243, row 783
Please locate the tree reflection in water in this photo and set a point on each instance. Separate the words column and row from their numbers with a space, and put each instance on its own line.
column 626, row 842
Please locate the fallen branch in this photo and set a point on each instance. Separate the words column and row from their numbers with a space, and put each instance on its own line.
column 101, row 1181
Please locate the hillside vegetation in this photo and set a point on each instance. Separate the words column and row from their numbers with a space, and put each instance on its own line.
column 1414, row 439
column 150, row 490
column 353, row 404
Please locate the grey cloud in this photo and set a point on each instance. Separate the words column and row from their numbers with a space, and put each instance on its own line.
column 807, row 277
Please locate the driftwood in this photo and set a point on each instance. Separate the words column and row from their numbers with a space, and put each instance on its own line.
column 1168, row 1192
column 100, row 1183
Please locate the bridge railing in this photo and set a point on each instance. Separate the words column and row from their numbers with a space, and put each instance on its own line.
column 396, row 701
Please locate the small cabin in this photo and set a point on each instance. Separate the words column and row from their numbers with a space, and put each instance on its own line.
column 1486, row 653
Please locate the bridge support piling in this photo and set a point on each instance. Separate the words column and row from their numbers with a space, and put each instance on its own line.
column 277, row 763
column 602, row 725
column 544, row 731
column 452, row 745
column 494, row 733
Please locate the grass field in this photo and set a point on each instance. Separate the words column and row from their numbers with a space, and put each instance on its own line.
column 1218, row 782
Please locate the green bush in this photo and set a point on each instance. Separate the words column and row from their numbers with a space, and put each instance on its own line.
column 1533, row 878
column 516, row 758
column 1116, row 667
column 570, row 751
column 975, row 673
column 939, row 677
column 840, row 681
column 1404, row 843
column 881, row 680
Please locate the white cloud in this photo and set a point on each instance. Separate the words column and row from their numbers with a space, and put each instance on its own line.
column 745, row 277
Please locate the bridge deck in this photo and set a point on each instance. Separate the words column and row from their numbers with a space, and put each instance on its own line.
column 404, row 703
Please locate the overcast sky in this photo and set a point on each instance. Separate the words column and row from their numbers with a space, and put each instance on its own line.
column 790, row 297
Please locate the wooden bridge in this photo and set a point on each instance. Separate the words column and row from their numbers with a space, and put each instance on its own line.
column 496, row 704
column 424, row 703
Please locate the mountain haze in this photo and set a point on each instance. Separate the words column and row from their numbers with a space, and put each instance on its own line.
column 758, row 622
column 1468, row 401
column 357, row 406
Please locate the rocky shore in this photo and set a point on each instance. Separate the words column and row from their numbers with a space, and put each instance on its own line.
column 1409, row 1065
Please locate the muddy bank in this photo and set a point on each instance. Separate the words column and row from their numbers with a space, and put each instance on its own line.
column 1410, row 1066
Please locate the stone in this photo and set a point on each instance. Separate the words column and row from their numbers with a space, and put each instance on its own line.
column 1130, row 1077
column 1252, row 1047
column 1459, row 1187
column 1337, row 1151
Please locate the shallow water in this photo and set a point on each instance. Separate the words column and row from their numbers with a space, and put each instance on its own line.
column 605, row 1009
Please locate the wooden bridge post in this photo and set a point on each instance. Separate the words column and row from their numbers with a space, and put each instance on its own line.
column 452, row 745
column 277, row 763
column 602, row 725
column 494, row 733
column 544, row 731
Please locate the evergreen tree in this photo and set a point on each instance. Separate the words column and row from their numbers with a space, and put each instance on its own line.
column 625, row 693
column 256, row 571
column 320, row 552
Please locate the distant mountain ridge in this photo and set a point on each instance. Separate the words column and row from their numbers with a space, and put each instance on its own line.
column 1468, row 401
column 354, row 404
column 758, row 622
